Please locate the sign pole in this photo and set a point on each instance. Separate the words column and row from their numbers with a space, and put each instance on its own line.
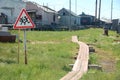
column 18, row 44
column 23, row 22
column 25, row 46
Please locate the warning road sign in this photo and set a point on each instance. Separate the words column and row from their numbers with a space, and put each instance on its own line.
column 23, row 21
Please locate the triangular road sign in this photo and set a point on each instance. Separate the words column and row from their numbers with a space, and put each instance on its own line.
column 23, row 21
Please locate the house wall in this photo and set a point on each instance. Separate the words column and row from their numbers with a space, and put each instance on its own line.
column 65, row 18
column 115, row 23
column 47, row 17
column 86, row 20
column 11, row 8
column 118, row 29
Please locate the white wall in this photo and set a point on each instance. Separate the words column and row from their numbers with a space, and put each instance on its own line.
column 11, row 8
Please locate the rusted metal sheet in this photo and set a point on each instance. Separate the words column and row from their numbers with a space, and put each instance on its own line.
column 10, row 38
column 7, row 37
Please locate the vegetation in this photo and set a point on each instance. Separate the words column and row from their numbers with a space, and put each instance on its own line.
column 107, row 53
column 50, row 53
column 49, row 56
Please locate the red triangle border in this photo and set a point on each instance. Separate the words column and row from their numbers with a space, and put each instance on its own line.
column 23, row 27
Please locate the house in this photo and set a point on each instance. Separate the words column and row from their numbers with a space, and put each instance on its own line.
column 116, row 25
column 41, row 15
column 3, row 18
column 86, row 19
column 11, row 8
column 105, row 21
column 68, row 17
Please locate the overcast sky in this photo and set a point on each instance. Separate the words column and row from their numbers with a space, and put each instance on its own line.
column 86, row 6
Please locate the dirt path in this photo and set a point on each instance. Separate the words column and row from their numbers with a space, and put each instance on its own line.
column 106, row 60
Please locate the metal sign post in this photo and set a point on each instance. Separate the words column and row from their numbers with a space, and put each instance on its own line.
column 25, row 48
column 23, row 22
column 18, row 45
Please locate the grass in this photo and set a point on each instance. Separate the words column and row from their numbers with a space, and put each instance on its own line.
column 107, row 51
column 49, row 56
column 93, row 58
column 50, row 53
column 98, row 75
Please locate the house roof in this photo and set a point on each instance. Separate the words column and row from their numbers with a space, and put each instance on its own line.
column 72, row 13
column 106, row 20
column 49, row 8
column 34, row 5
column 32, row 10
column 83, row 14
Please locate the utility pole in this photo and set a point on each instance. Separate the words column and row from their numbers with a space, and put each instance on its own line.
column 76, row 6
column 111, row 9
column 70, row 15
column 96, row 10
column 99, row 11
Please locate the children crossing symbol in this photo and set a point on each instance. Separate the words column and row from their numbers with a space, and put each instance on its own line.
column 23, row 21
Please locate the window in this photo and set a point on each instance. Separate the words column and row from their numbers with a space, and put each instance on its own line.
column 54, row 17
column 39, row 17
column 64, row 14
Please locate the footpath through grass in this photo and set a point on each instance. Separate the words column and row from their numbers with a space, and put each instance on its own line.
column 50, row 53
column 107, row 55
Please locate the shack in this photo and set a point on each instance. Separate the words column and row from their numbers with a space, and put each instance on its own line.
column 86, row 19
column 68, row 18
column 116, row 25
column 41, row 15
column 11, row 9
column 3, row 18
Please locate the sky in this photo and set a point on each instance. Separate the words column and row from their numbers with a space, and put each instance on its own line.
column 86, row 6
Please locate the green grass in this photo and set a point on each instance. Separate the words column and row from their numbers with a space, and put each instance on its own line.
column 50, row 53
column 98, row 75
column 49, row 56
column 107, row 49
column 93, row 58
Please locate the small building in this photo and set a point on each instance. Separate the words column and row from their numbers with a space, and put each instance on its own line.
column 116, row 25
column 86, row 19
column 11, row 8
column 41, row 15
column 68, row 18
column 3, row 18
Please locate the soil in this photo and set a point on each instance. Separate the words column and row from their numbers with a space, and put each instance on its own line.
column 106, row 60
column 44, row 42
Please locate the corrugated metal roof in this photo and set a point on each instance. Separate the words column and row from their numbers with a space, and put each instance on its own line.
column 72, row 13
column 44, row 8
column 106, row 20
